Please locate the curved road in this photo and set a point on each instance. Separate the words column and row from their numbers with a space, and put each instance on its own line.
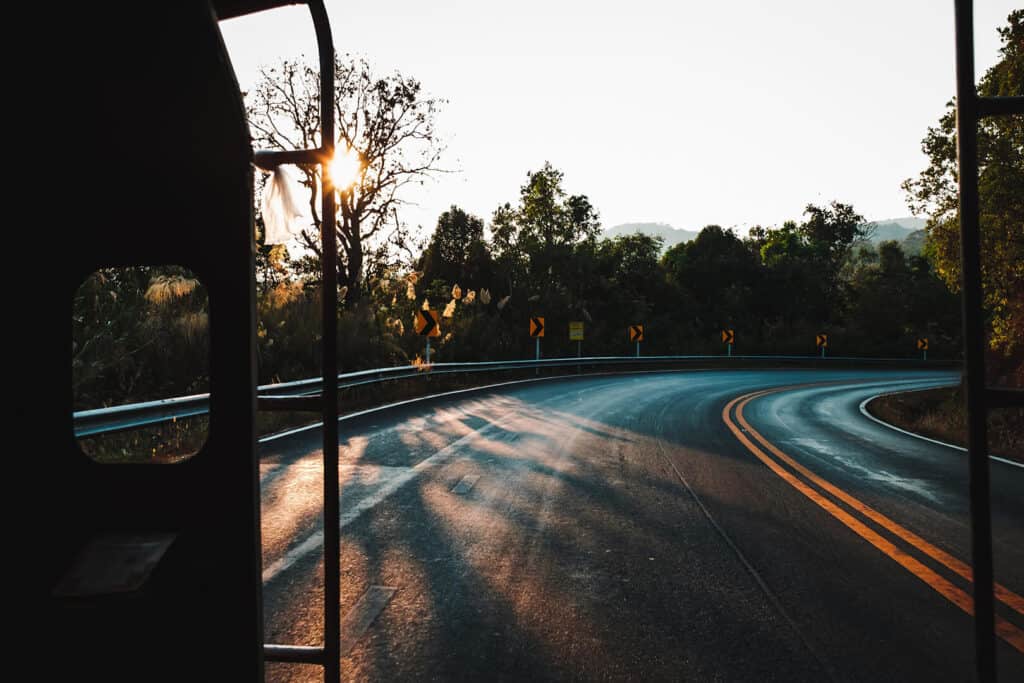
column 743, row 525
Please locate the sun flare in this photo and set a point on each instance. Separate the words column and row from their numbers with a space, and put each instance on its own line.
column 345, row 168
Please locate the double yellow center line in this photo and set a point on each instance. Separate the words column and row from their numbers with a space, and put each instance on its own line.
column 747, row 435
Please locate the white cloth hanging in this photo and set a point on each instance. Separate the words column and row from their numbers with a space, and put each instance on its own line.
column 283, row 214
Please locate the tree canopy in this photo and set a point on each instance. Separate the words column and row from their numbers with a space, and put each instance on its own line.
column 388, row 120
column 1001, row 194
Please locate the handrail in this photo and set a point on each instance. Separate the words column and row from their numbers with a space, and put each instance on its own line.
column 134, row 415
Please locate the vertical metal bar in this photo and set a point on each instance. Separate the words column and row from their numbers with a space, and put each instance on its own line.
column 329, row 296
column 974, row 342
column 428, row 350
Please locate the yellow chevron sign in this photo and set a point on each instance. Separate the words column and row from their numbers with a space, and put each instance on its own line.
column 728, row 336
column 536, row 326
column 636, row 333
column 922, row 344
column 427, row 324
column 821, row 340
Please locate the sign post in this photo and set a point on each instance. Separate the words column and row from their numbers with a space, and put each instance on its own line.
column 636, row 334
column 427, row 325
column 822, row 341
column 576, row 335
column 729, row 338
column 922, row 346
column 537, row 331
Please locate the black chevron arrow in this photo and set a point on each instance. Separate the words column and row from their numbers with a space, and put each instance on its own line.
column 428, row 324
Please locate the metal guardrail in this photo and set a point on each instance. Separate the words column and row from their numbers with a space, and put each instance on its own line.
column 134, row 415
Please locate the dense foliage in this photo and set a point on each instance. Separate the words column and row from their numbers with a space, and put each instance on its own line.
column 777, row 288
column 1001, row 195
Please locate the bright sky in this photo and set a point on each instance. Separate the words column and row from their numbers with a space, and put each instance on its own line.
column 736, row 113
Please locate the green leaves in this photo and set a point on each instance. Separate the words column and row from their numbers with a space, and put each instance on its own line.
column 1001, row 194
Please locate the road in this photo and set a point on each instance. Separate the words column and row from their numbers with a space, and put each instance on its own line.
column 745, row 525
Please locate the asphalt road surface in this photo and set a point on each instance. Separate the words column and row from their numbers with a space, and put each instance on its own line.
column 746, row 525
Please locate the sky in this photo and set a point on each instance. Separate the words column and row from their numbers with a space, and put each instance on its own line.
column 737, row 113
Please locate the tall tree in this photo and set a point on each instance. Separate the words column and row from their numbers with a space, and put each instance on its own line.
column 457, row 252
column 630, row 265
column 388, row 120
column 1001, row 193
column 540, row 233
column 830, row 233
column 719, row 273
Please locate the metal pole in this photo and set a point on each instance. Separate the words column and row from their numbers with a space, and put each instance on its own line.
column 729, row 352
column 428, row 350
column 974, row 343
column 822, row 351
column 329, row 349
column 579, row 349
column 536, row 370
column 638, row 349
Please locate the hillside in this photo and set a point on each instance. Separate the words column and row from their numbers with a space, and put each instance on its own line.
column 907, row 231
column 914, row 243
column 895, row 229
column 671, row 236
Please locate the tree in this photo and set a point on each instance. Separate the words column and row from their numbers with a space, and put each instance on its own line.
column 537, row 237
column 720, row 275
column 1001, row 192
column 390, row 123
column 457, row 253
column 830, row 234
column 629, row 264
column 895, row 299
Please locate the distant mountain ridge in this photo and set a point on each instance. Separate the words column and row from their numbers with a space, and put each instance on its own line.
column 898, row 229
column 895, row 229
column 671, row 236
column 913, row 244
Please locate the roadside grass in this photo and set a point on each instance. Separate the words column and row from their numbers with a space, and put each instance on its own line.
column 939, row 414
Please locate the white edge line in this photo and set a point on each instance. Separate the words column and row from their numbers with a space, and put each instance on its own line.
column 315, row 540
column 865, row 413
column 456, row 392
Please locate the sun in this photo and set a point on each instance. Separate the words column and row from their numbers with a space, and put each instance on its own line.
column 345, row 168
